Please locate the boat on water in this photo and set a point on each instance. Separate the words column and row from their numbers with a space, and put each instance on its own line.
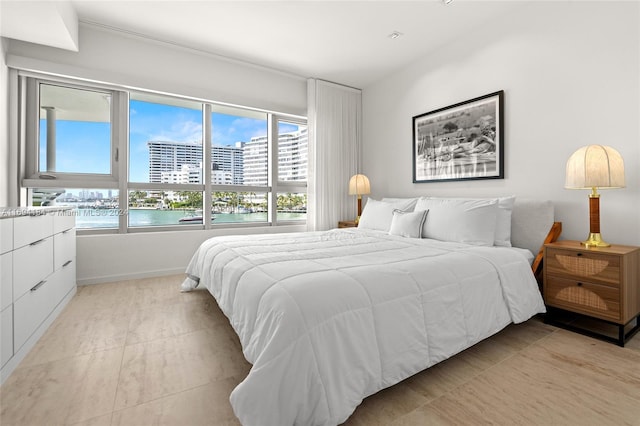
column 194, row 218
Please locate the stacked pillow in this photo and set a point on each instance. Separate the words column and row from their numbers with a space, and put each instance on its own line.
column 379, row 214
column 477, row 221
column 407, row 224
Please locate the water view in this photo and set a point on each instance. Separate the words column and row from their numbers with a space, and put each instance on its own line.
column 108, row 218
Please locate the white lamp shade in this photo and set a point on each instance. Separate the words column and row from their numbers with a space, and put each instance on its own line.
column 359, row 185
column 595, row 166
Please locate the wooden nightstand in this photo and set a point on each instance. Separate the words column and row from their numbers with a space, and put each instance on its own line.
column 347, row 224
column 600, row 283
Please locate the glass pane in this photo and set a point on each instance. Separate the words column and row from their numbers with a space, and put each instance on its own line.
column 239, row 207
column 164, row 208
column 292, row 206
column 75, row 130
column 165, row 140
column 238, row 147
column 292, row 152
column 93, row 208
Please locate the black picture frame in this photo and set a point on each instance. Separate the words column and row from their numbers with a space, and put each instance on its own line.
column 464, row 141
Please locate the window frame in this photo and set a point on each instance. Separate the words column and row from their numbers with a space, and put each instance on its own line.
column 280, row 186
column 29, row 83
column 33, row 176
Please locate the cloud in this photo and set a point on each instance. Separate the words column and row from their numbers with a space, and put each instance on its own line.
column 178, row 131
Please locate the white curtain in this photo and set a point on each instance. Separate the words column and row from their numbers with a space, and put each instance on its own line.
column 335, row 137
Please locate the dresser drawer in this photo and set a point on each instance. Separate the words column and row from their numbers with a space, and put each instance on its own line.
column 592, row 266
column 63, row 220
column 30, row 310
column 6, row 336
column 6, row 235
column 583, row 297
column 28, row 229
column 34, row 307
column 31, row 264
column 64, row 248
column 67, row 278
column 6, row 280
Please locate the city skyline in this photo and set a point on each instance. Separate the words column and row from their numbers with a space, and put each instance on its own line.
column 88, row 143
column 181, row 162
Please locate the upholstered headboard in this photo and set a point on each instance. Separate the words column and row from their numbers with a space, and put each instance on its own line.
column 531, row 221
column 532, row 226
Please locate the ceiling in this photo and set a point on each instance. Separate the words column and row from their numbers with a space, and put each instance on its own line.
column 342, row 41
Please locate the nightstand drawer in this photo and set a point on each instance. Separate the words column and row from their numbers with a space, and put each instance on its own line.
column 594, row 266
column 347, row 224
column 583, row 297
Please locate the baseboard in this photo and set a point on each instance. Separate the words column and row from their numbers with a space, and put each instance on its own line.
column 130, row 276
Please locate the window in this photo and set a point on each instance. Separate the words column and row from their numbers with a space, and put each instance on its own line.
column 164, row 208
column 292, row 171
column 238, row 146
column 292, row 152
column 165, row 140
column 292, row 206
column 93, row 208
column 143, row 153
column 73, row 123
column 239, row 207
column 71, row 132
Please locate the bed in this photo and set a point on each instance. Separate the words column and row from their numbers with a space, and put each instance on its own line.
column 329, row 318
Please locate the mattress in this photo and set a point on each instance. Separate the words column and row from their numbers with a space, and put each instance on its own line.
column 329, row 318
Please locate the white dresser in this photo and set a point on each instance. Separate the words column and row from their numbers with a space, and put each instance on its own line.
column 37, row 276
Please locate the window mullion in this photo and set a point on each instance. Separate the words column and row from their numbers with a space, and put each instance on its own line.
column 122, row 162
column 206, row 165
column 33, row 129
column 272, row 168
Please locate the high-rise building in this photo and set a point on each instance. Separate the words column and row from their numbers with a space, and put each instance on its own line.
column 187, row 174
column 165, row 156
column 193, row 174
column 292, row 158
column 229, row 159
column 170, row 157
column 243, row 164
column 256, row 161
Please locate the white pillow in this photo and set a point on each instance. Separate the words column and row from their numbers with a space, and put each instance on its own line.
column 411, row 202
column 503, row 218
column 377, row 214
column 407, row 224
column 503, row 221
column 460, row 220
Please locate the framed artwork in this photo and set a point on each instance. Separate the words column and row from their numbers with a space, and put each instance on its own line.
column 460, row 142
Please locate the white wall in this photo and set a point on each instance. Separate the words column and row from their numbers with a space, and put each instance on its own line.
column 107, row 258
column 111, row 57
column 570, row 72
column 4, row 128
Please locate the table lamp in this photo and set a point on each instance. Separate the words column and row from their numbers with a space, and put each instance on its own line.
column 359, row 185
column 593, row 167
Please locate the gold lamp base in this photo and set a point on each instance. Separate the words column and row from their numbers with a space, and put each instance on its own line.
column 595, row 240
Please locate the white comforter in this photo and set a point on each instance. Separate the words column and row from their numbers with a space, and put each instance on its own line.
column 328, row 318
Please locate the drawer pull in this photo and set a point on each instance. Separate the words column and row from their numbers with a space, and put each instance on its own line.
column 67, row 263
column 37, row 286
column 37, row 242
column 579, row 284
column 579, row 254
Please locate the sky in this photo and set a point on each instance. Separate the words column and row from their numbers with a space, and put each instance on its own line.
column 83, row 147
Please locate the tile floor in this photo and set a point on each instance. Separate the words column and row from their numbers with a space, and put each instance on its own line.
column 141, row 353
